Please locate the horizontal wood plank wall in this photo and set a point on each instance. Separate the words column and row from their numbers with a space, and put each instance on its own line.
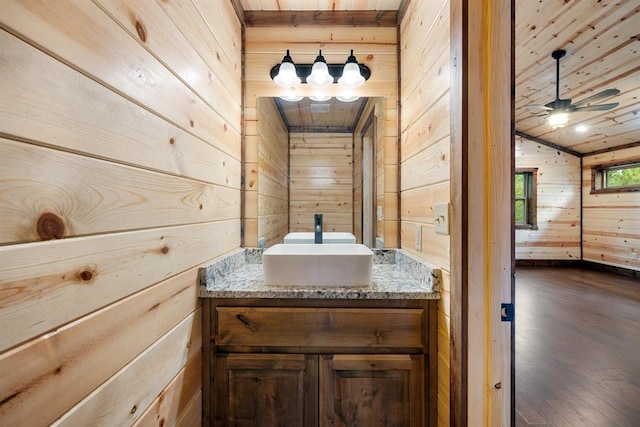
column 321, row 166
column 120, row 148
column 558, row 207
column 374, row 46
column 610, row 222
column 273, row 174
column 424, row 154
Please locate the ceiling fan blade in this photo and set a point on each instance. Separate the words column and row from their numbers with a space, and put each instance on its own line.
column 538, row 107
column 601, row 107
column 598, row 96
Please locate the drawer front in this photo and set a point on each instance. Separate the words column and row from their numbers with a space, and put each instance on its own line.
column 320, row 329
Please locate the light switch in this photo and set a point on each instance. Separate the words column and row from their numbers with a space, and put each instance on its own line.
column 379, row 213
column 441, row 218
column 418, row 237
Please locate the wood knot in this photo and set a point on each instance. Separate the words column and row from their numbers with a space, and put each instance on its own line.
column 85, row 275
column 141, row 31
column 164, row 250
column 50, row 226
column 172, row 141
column 134, row 409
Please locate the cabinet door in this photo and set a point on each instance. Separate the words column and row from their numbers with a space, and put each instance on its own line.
column 372, row 390
column 265, row 390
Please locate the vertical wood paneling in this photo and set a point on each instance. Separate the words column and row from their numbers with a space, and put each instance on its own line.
column 273, row 174
column 610, row 221
column 321, row 166
column 374, row 46
column 424, row 153
column 558, row 209
column 122, row 151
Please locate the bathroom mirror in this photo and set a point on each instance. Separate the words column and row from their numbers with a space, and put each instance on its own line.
column 320, row 157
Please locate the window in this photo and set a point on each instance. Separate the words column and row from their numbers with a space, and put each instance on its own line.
column 525, row 198
column 615, row 178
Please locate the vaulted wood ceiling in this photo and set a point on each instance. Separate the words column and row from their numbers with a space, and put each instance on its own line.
column 602, row 40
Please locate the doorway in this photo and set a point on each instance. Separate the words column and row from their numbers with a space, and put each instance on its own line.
column 369, row 182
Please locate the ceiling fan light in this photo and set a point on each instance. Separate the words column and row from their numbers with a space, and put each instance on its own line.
column 287, row 75
column 558, row 120
column 320, row 76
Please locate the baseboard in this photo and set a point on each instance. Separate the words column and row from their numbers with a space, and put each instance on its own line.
column 548, row 263
column 611, row 268
column 578, row 264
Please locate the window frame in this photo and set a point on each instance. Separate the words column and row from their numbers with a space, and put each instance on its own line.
column 599, row 174
column 531, row 203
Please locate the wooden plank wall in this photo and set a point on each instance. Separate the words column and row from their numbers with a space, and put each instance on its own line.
column 321, row 167
column 273, row 174
column 120, row 150
column 424, row 154
column 374, row 46
column 558, row 207
column 610, row 222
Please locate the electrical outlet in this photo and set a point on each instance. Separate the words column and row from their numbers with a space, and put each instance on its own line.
column 441, row 219
column 379, row 213
column 634, row 256
column 418, row 237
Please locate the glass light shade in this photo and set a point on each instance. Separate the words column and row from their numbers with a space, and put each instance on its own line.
column 347, row 98
column 292, row 97
column 558, row 120
column 320, row 97
column 320, row 76
column 287, row 75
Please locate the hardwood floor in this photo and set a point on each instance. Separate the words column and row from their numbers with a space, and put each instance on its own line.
column 577, row 348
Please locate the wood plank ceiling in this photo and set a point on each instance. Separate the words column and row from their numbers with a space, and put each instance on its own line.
column 602, row 40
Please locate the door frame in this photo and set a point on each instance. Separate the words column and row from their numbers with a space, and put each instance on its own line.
column 482, row 252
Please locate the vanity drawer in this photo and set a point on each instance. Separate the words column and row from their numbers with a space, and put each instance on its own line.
column 321, row 330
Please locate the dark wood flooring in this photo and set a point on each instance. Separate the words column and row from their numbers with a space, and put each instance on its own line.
column 577, row 348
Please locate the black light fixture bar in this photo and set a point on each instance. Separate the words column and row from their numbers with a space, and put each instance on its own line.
column 335, row 70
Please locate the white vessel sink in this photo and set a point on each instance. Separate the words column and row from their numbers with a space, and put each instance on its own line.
column 344, row 264
column 327, row 237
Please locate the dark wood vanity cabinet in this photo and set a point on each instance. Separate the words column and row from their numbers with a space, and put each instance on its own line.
column 275, row 362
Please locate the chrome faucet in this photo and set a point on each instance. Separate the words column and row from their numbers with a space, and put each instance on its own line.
column 318, row 227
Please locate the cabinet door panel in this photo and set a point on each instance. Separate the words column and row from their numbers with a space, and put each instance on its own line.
column 372, row 390
column 267, row 390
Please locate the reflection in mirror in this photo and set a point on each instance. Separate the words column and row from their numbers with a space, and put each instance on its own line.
column 320, row 157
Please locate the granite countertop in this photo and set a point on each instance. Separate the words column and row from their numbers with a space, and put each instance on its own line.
column 396, row 275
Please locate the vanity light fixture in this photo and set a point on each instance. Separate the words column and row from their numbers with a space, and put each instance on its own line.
column 320, row 74
column 286, row 74
column 320, row 97
column 347, row 98
column 351, row 75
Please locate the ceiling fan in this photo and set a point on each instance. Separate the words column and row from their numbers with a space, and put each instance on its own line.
column 564, row 106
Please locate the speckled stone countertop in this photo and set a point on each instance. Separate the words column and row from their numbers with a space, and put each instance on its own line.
column 396, row 275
